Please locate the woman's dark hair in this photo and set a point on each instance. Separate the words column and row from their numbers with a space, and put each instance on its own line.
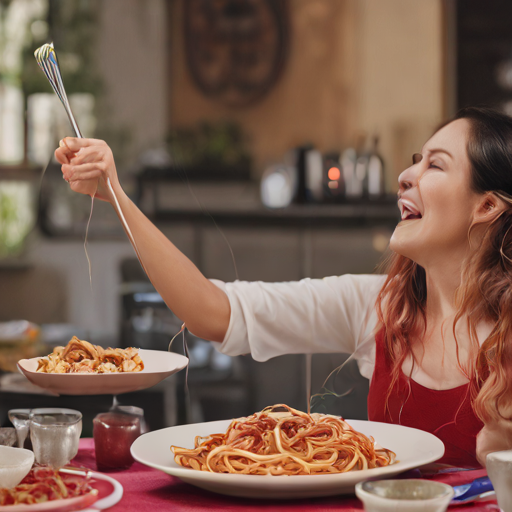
column 489, row 149
column 485, row 292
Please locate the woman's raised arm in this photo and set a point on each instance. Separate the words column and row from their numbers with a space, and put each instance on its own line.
column 205, row 309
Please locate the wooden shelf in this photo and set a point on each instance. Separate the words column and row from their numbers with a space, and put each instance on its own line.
column 382, row 211
column 20, row 172
column 14, row 264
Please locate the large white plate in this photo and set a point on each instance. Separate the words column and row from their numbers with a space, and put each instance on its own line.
column 110, row 492
column 413, row 448
column 157, row 366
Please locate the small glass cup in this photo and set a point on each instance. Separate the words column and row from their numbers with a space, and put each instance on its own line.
column 7, row 436
column 114, row 432
column 20, row 418
column 55, row 434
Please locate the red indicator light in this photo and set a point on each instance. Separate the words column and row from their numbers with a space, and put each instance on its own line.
column 334, row 174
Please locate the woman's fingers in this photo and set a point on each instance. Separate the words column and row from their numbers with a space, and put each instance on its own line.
column 74, row 144
column 69, row 147
column 63, row 155
column 79, row 172
column 88, row 154
column 84, row 187
column 85, row 175
column 87, row 164
column 100, row 155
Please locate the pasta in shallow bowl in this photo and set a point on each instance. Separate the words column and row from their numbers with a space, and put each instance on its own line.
column 81, row 368
column 405, row 448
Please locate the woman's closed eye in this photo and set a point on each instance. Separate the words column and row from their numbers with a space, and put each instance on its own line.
column 435, row 165
column 418, row 157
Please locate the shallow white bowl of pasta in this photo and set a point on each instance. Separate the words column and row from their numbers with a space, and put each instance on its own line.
column 158, row 365
column 413, row 448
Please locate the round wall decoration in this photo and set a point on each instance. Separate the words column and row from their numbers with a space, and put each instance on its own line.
column 235, row 49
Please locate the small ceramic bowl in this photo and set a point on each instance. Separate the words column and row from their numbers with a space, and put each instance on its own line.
column 404, row 495
column 15, row 463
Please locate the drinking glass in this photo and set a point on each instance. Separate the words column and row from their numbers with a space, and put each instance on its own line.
column 20, row 418
column 7, row 436
column 55, row 434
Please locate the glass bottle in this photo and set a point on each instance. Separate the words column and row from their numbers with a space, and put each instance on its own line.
column 376, row 181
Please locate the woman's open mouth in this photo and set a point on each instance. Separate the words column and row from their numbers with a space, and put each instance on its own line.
column 408, row 210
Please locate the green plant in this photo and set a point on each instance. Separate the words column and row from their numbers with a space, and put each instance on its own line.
column 212, row 144
column 15, row 218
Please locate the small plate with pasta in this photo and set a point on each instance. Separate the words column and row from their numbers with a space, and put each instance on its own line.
column 82, row 368
column 284, row 453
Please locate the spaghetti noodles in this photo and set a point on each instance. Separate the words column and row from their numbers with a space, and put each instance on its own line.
column 80, row 356
column 284, row 443
column 43, row 484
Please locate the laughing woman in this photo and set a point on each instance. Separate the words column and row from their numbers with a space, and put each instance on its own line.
column 434, row 335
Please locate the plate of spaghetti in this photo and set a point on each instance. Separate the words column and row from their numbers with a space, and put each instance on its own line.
column 284, row 453
column 81, row 368
column 45, row 489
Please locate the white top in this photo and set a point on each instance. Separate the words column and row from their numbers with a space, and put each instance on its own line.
column 334, row 314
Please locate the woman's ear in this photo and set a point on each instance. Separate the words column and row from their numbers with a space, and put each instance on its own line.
column 489, row 208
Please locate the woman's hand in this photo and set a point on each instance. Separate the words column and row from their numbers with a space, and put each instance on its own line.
column 494, row 437
column 86, row 166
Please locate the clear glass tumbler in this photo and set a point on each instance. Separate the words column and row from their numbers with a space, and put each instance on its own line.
column 7, row 436
column 55, row 434
column 20, row 418
column 114, row 432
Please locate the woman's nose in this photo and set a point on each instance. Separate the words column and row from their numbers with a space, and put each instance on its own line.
column 408, row 178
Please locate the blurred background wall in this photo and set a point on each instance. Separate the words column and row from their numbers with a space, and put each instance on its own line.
column 132, row 52
column 353, row 66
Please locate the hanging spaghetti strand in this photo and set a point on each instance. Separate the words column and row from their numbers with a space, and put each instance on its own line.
column 206, row 212
column 182, row 330
column 86, row 239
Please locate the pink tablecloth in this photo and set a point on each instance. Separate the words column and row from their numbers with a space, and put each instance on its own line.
column 146, row 489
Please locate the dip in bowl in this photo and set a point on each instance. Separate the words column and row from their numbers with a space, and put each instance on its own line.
column 404, row 495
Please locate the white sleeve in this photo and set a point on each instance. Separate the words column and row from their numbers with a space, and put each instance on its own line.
column 334, row 314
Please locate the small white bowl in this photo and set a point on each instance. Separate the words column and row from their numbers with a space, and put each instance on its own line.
column 406, row 495
column 15, row 463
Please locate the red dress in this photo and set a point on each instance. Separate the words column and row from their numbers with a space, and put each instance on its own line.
column 445, row 413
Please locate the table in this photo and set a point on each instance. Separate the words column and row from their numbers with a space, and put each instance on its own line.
column 146, row 489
